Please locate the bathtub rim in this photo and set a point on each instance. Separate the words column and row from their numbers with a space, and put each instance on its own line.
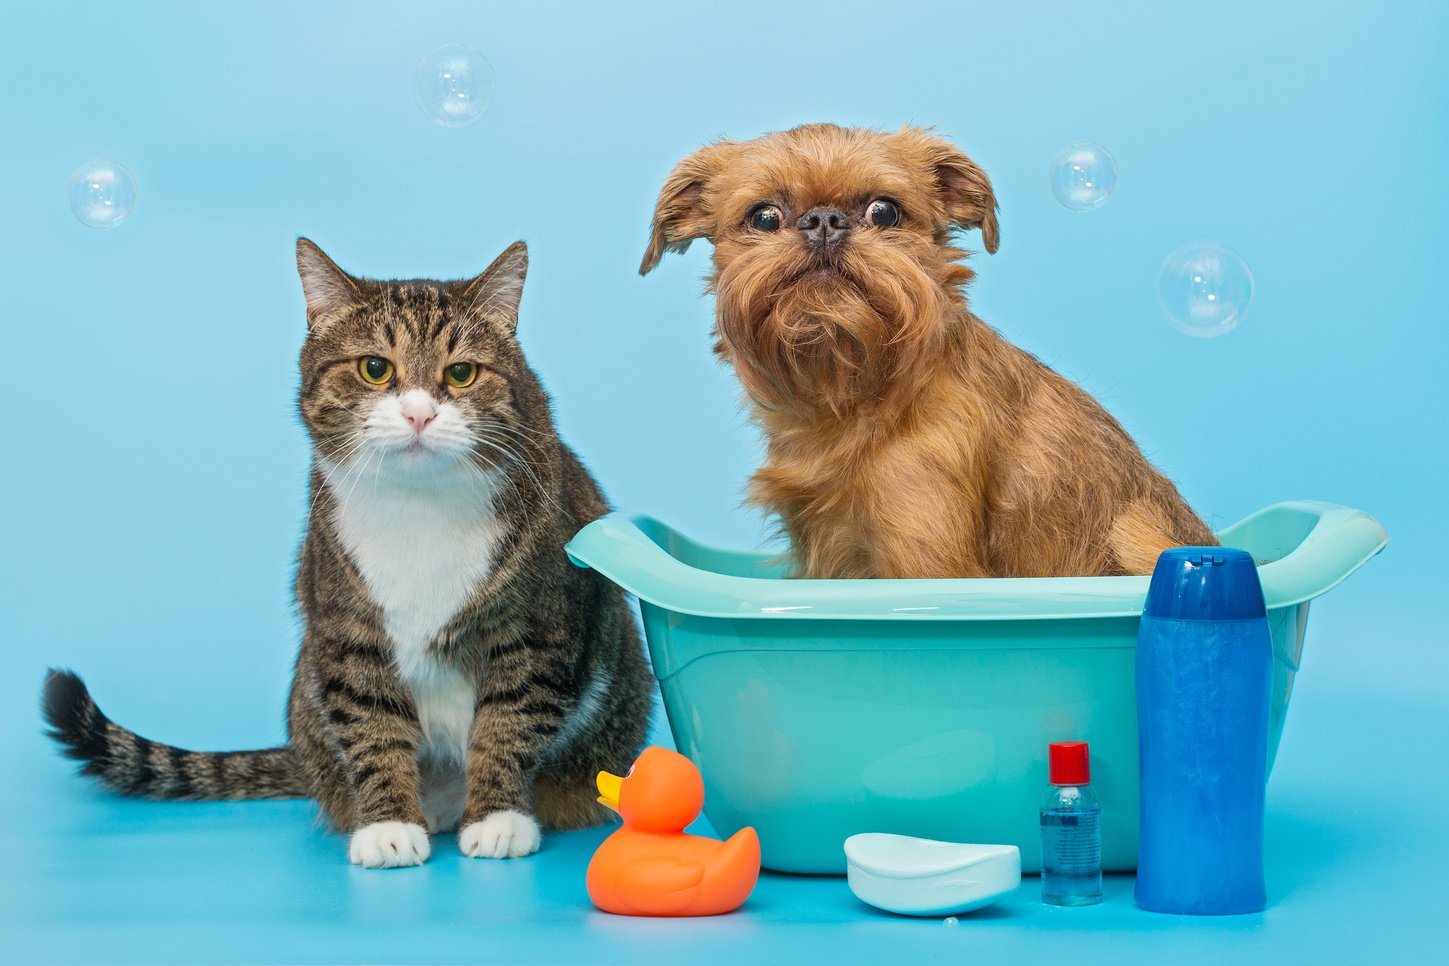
column 1309, row 547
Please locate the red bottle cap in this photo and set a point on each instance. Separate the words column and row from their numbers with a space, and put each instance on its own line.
column 1069, row 763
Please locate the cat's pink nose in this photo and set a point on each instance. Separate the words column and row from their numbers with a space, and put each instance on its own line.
column 419, row 411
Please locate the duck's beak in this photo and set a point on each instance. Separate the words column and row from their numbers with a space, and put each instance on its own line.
column 609, row 786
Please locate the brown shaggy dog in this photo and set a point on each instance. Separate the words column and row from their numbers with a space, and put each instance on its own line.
column 906, row 437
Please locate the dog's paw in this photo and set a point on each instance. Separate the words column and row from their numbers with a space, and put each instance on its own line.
column 389, row 845
column 501, row 835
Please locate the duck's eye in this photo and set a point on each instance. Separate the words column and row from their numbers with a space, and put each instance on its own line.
column 460, row 375
column 883, row 213
column 766, row 218
column 374, row 370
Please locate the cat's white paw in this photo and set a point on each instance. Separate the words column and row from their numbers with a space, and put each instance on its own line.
column 388, row 845
column 501, row 835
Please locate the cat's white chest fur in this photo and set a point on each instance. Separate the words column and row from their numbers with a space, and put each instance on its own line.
column 423, row 551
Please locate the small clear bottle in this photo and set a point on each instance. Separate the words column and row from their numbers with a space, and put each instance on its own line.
column 1071, row 830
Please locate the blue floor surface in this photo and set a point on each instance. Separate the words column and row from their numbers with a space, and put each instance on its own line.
column 1354, row 847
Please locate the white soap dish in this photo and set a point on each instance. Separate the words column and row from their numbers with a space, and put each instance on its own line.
column 922, row 877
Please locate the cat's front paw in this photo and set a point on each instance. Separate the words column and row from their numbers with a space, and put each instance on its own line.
column 501, row 835
column 389, row 845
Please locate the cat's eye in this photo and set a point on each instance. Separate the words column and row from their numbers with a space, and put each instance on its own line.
column 883, row 213
column 460, row 375
column 766, row 218
column 375, row 370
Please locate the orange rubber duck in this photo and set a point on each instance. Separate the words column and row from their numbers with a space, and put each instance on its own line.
column 650, row 867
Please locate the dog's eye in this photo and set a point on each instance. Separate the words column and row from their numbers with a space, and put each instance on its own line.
column 767, row 218
column 882, row 213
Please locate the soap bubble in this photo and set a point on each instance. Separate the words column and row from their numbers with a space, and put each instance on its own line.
column 1083, row 175
column 454, row 85
column 1205, row 289
column 951, row 921
column 102, row 194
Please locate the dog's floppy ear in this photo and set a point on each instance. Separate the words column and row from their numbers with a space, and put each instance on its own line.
column 965, row 190
column 680, row 215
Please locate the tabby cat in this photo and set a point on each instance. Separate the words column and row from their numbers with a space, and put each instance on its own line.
column 455, row 670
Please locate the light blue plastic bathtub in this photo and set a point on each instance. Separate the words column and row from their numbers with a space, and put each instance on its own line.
column 820, row 708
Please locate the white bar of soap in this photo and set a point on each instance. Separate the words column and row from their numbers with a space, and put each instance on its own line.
column 922, row 877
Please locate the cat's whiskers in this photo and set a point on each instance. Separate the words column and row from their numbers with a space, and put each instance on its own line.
column 355, row 440
column 445, row 449
column 372, row 452
column 519, row 436
column 377, row 475
column 514, row 457
column 524, row 446
column 490, row 472
column 488, row 475
column 526, row 465
column 522, row 432
column 543, row 494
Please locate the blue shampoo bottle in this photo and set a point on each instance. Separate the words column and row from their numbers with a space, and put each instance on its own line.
column 1204, row 669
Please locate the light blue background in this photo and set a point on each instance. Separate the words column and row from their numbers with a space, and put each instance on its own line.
column 153, row 476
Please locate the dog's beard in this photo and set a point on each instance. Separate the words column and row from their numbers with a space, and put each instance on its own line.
column 809, row 332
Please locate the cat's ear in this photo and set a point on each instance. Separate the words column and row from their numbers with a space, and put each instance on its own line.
column 330, row 292
column 499, row 289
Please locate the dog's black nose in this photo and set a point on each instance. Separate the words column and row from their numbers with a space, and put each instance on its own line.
column 824, row 227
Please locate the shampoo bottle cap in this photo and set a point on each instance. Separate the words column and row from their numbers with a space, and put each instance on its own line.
column 1205, row 584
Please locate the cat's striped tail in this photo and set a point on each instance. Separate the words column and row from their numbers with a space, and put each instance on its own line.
column 132, row 765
